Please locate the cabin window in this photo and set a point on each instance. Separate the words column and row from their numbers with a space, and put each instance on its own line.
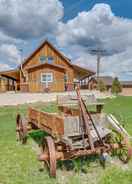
column 50, row 59
column 43, row 59
column 46, row 77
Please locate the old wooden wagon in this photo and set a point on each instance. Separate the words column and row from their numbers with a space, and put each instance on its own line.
column 72, row 134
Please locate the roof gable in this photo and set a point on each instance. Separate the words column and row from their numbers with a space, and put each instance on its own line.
column 52, row 47
column 46, row 65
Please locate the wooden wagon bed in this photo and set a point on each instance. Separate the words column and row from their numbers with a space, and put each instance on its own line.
column 64, row 127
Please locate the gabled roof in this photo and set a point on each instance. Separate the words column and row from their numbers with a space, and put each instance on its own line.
column 82, row 68
column 46, row 64
column 12, row 74
column 82, row 72
column 55, row 49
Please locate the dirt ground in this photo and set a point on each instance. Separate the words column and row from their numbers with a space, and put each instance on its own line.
column 126, row 92
column 12, row 98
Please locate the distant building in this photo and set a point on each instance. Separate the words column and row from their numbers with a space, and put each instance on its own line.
column 126, row 84
column 107, row 80
column 126, row 88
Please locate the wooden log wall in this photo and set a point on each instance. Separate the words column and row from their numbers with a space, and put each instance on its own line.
column 34, row 75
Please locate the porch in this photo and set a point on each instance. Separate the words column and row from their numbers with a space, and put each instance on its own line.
column 82, row 76
column 9, row 81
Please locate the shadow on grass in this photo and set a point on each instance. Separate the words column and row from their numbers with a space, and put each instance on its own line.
column 38, row 136
column 77, row 165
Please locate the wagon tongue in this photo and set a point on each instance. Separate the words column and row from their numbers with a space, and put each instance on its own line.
column 87, row 120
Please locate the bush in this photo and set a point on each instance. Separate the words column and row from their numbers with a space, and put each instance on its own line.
column 101, row 86
column 116, row 86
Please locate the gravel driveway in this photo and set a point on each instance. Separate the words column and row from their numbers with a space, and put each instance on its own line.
column 12, row 98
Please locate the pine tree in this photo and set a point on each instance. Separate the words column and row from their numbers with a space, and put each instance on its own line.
column 116, row 86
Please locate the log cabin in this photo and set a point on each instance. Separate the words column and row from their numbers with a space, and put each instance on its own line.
column 46, row 70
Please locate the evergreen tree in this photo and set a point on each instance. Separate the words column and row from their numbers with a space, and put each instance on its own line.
column 116, row 86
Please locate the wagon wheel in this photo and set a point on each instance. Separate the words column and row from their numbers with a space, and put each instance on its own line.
column 48, row 147
column 21, row 129
column 125, row 150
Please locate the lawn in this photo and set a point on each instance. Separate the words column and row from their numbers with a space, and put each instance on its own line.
column 19, row 165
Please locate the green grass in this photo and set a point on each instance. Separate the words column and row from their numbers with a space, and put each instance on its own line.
column 19, row 165
column 121, row 108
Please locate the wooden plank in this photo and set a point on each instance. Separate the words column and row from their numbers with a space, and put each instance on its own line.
column 72, row 126
column 53, row 122
column 71, row 100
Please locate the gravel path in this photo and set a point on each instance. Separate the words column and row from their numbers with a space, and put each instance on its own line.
column 11, row 98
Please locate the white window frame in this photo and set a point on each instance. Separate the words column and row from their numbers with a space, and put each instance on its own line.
column 49, row 73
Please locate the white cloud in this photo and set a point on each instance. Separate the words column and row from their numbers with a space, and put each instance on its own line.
column 115, row 65
column 28, row 19
column 22, row 20
column 4, row 67
column 99, row 28
column 85, row 28
column 5, row 38
column 9, row 54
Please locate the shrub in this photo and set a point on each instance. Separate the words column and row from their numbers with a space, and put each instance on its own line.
column 116, row 86
column 101, row 86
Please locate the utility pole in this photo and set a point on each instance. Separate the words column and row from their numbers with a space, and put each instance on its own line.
column 21, row 54
column 98, row 53
column 98, row 64
column 21, row 62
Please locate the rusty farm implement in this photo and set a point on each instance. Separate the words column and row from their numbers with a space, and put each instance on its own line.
column 74, row 132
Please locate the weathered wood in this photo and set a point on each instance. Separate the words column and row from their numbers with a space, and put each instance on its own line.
column 69, row 103
column 117, row 126
column 72, row 100
column 52, row 123
column 35, row 84
column 72, row 126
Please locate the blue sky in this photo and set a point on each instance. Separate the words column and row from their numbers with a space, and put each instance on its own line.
column 74, row 26
column 119, row 7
